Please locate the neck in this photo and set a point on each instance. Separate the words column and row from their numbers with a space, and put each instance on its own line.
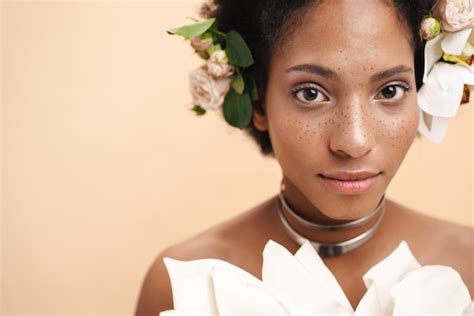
column 316, row 226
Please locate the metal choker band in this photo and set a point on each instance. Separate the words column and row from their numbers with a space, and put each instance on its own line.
column 331, row 249
column 351, row 224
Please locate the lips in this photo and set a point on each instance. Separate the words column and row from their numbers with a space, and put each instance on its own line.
column 349, row 176
column 350, row 183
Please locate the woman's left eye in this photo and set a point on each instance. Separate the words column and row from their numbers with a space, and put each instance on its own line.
column 392, row 92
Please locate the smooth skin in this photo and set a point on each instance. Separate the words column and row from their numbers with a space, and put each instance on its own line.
column 341, row 96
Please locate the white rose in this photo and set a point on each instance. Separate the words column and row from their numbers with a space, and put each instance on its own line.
column 208, row 92
column 455, row 15
column 218, row 65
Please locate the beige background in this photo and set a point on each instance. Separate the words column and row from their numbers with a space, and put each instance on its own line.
column 103, row 165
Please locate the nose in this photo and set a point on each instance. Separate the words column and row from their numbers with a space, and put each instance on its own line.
column 353, row 136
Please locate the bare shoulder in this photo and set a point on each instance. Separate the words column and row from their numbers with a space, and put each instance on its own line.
column 437, row 241
column 226, row 241
column 442, row 233
column 155, row 294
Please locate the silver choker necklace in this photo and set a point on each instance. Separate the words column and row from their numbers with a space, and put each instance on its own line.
column 330, row 249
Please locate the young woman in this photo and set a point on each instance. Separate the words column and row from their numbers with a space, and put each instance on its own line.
column 337, row 107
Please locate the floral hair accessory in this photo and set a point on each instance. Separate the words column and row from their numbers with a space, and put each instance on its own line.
column 455, row 15
column 429, row 28
column 449, row 74
column 221, row 81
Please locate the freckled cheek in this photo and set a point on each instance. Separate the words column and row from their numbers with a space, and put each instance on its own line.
column 398, row 133
column 295, row 133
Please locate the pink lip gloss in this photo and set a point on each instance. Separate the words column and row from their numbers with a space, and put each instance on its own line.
column 350, row 187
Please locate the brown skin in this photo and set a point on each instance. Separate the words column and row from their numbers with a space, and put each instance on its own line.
column 350, row 123
column 241, row 240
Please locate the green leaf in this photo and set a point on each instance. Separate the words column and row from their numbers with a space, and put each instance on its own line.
column 238, row 84
column 192, row 30
column 238, row 52
column 207, row 35
column 251, row 87
column 237, row 109
column 198, row 110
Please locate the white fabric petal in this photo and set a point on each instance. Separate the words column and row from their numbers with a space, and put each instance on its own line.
column 310, row 259
column 468, row 49
column 442, row 90
column 433, row 53
column 192, row 286
column 432, row 289
column 440, row 98
column 381, row 277
column 303, row 285
column 438, row 129
column 369, row 304
column 172, row 312
column 306, row 293
column 240, row 293
column 441, row 94
column 453, row 43
column 469, row 310
column 467, row 73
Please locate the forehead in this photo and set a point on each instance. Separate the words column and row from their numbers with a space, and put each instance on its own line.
column 348, row 32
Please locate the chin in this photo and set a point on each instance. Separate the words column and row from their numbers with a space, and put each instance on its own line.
column 349, row 207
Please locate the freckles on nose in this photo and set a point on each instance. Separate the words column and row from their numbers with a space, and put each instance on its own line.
column 355, row 123
column 354, row 135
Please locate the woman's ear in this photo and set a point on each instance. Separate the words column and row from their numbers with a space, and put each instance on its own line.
column 259, row 118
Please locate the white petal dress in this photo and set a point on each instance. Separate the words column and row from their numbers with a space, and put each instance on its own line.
column 301, row 284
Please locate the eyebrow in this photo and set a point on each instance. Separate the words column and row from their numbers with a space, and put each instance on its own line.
column 314, row 69
column 390, row 72
column 331, row 74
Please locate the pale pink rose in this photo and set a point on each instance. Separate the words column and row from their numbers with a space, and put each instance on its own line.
column 455, row 15
column 208, row 92
column 218, row 65
column 200, row 44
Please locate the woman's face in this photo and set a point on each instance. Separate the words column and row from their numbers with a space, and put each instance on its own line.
column 341, row 97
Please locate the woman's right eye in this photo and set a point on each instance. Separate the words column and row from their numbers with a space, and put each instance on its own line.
column 309, row 94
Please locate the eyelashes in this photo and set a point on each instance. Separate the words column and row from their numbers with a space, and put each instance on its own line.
column 309, row 93
column 394, row 91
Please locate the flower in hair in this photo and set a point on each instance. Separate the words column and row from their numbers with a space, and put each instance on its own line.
column 455, row 15
column 218, row 65
column 448, row 71
column 222, row 82
column 201, row 43
column 208, row 92
column 429, row 28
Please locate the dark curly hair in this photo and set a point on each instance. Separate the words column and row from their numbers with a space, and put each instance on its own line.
column 265, row 23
